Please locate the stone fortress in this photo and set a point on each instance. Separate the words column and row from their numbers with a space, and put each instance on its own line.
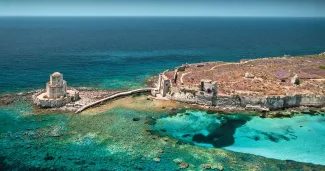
column 203, row 94
column 57, row 93
column 260, row 84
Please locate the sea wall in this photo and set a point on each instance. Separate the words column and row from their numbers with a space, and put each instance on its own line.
column 268, row 103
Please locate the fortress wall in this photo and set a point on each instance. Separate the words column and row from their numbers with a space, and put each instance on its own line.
column 51, row 103
column 204, row 98
column 312, row 100
column 226, row 101
column 192, row 96
column 182, row 96
column 271, row 102
column 277, row 102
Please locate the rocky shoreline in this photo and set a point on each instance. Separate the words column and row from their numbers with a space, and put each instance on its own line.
column 87, row 96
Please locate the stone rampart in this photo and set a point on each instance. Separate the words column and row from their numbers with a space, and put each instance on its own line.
column 269, row 102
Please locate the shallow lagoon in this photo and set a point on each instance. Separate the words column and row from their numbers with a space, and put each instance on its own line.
column 300, row 138
column 112, row 140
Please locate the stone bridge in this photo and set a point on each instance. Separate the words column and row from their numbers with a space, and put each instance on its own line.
column 113, row 96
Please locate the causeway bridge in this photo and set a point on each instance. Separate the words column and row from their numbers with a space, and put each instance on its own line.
column 113, row 96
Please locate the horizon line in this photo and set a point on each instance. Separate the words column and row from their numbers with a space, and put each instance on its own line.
column 160, row 16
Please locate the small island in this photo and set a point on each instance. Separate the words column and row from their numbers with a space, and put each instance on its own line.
column 265, row 84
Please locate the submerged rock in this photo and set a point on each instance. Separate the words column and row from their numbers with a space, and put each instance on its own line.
column 136, row 119
column 206, row 166
column 156, row 159
column 220, row 166
column 183, row 165
column 178, row 160
column 48, row 157
column 280, row 114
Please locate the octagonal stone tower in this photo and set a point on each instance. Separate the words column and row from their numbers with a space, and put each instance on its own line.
column 57, row 94
column 57, row 87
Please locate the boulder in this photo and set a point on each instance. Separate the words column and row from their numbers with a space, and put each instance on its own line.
column 249, row 75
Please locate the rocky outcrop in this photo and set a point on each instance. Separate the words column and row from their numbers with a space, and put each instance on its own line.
column 7, row 99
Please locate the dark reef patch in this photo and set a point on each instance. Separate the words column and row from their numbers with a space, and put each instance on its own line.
column 223, row 134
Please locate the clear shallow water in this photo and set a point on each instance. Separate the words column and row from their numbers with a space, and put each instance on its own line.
column 112, row 140
column 122, row 52
column 300, row 138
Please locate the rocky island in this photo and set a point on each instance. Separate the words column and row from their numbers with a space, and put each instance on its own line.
column 259, row 84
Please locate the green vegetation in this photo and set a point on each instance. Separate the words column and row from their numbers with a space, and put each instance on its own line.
column 322, row 67
column 297, row 81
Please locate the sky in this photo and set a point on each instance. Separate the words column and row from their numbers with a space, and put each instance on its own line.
column 221, row 8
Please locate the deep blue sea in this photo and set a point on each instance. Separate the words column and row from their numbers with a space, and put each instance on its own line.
column 121, row 52
column 114, row 53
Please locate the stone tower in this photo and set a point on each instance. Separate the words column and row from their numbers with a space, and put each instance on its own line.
column 57, row 87
column 163, row 85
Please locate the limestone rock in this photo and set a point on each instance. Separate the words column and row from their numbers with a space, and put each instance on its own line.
column 249, row 75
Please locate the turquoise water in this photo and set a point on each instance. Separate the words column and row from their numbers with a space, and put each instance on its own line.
column 299, row 138
column 114, row 53
column 122, row 52
column 112, row 140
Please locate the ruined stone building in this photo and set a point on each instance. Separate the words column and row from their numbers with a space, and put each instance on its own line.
column 163, row 86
